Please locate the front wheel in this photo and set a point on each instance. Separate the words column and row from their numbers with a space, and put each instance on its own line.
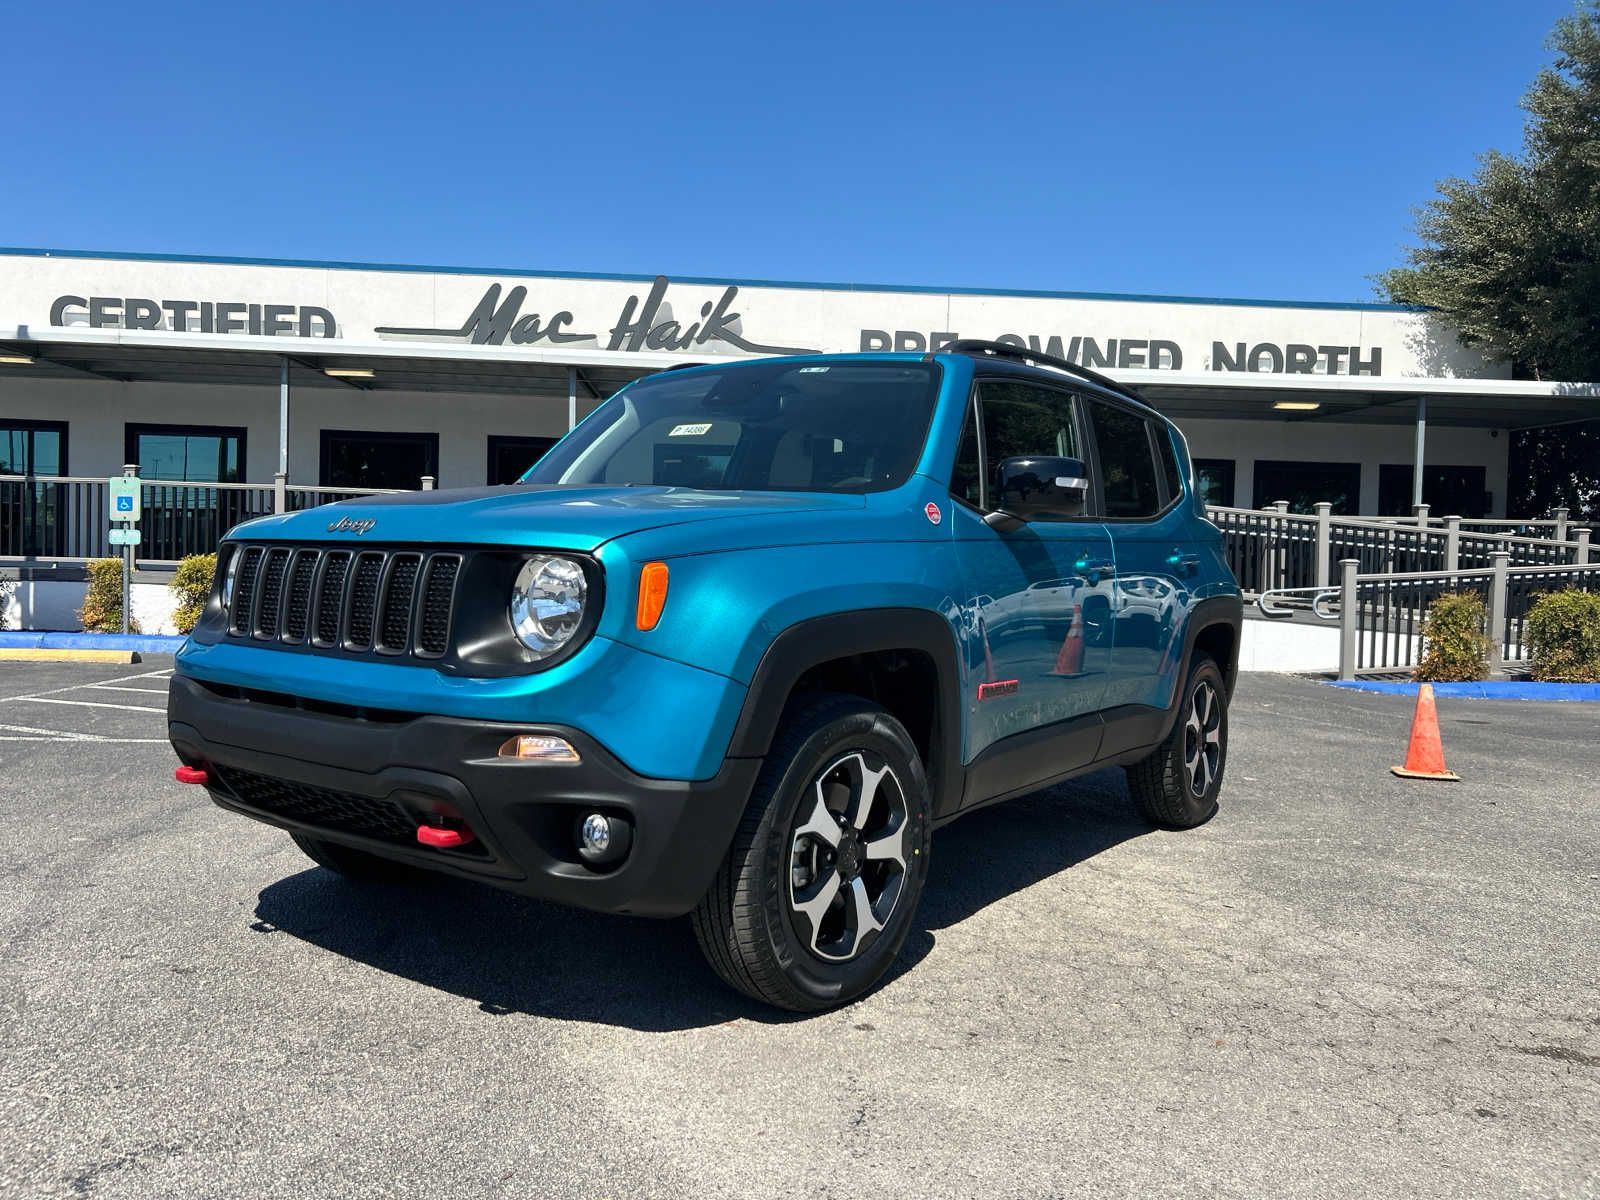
column 818, row 890
column 1177, row 785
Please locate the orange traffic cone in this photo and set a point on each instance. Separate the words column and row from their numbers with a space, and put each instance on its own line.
column 1070, row 660
column 1425, row 754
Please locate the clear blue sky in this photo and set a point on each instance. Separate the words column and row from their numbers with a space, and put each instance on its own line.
column 1260, row 148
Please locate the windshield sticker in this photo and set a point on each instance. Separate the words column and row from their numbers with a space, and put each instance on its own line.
column 690, row 430
column 813, row 370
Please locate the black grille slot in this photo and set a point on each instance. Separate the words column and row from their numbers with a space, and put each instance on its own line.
column 244, row 589
column 330, row 600
column 277, row 564
column 394, row 628
column 437, row 594
column 319, row 806
column 364, row 600
column 395, row 602
column 297, row 613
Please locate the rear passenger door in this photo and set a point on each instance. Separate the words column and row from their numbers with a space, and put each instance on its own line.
column 1151, row 532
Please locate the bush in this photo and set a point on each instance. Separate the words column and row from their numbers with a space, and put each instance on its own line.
column 1563, row 635
column 102, row 602
column 1454, row 646
column 191, row 588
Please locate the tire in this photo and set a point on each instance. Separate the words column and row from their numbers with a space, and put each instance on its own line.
column 355, row 865
column 1177, row 786
column 818, row 891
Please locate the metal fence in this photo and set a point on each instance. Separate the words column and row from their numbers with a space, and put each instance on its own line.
column 1279, row 551
column 1380, row 616
column 65, row 519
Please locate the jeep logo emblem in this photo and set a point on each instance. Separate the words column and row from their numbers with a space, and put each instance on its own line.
column 349, row 525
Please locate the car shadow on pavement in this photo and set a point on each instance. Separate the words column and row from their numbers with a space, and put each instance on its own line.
column 510, row 954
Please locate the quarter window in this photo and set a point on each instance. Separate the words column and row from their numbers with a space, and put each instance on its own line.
column 1126, row 465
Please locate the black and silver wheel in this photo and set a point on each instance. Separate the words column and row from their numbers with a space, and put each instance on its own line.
column 818, row 890
column 1177, row 786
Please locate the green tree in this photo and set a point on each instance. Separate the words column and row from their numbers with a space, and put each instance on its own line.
column 1512, row 258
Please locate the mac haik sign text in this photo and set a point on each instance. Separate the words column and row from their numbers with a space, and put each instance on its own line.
column 705, row 318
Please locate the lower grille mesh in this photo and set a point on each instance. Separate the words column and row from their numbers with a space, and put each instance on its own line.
column 319, row 806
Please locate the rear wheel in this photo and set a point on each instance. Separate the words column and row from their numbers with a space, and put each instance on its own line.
column 820, row 886
column 353, row 864
column 1177, row 786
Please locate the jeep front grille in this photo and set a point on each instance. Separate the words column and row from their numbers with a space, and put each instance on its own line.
column 395, row 603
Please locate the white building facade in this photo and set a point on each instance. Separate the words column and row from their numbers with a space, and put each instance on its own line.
column 343, row 375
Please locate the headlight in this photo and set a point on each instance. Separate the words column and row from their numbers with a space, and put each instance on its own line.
column 227, row 580
column 547, row 602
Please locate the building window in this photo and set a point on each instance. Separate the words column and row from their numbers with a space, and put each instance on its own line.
column 1213, row 479
column 510, row 457
column 354, row 459
column 1447, row 491
column 1304, row 484
column 33, row 447
column 186, row 453
column 31, row 519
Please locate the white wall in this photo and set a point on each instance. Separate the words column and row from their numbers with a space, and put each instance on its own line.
column 1369, row 445
column 96, row 412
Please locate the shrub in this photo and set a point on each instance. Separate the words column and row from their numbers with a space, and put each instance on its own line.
column 102, row 602
column 191, row 588
column 1454, row 646
column 1563, row 634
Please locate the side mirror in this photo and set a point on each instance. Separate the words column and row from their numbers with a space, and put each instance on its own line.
column 1038, row 489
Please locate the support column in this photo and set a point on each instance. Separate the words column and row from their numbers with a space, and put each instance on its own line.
column 1349, row 627
column 572, row 397
column 1420, row 455
column 1324, row 541
column 282, row 476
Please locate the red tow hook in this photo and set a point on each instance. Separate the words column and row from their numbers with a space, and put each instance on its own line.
column 441, row 838
column 191, row 775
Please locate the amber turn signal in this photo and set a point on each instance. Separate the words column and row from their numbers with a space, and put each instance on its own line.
column 652, row 594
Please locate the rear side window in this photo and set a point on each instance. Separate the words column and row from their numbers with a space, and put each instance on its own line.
column 1127, row 467
column 1169, row 459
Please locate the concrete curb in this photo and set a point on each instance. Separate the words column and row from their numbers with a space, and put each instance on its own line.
column 1490, row 689
column 146, row 643
column 38, row 654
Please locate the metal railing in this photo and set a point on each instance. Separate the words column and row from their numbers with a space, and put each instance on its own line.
column 1380, row 616
column 1274, row 550
column 64, row 518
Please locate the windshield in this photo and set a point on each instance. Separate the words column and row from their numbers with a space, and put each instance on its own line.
column 761, row 426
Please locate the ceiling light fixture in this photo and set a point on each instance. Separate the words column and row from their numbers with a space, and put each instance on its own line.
column 15, row 360
column 1297, row 405
column 349, row 372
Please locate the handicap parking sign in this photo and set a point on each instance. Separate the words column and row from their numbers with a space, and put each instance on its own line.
column 125, row 496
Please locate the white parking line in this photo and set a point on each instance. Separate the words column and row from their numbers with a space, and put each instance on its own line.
column 87, row 704
column 112, row 687
column 31, row 733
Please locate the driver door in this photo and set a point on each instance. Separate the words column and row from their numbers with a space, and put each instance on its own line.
column 1036, row 609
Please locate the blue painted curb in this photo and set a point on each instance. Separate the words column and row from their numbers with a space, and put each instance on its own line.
column 1493, row 689
column 144, row 643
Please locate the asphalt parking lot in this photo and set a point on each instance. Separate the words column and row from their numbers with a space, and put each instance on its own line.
column 1345, row 984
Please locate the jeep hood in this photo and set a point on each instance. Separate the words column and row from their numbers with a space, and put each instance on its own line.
column 562, row 518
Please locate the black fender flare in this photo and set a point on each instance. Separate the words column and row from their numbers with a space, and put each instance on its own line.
column 817, row 640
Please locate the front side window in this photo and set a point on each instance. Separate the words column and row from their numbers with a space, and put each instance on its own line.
column 1019, row 421
column 764, row 426
column 1127, row 467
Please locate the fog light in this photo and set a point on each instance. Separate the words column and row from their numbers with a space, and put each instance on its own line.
column 602, row 839
column 538, row 747
column 596, row 834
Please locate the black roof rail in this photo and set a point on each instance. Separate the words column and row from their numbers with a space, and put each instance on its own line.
column 978, row 347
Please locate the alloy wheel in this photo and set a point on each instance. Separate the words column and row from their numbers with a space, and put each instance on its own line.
column 1202, row 739
column 847, row 858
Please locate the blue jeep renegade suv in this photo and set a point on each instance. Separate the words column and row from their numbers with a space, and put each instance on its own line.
column 733, row 648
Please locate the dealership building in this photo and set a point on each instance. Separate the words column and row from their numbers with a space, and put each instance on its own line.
column 343, row 375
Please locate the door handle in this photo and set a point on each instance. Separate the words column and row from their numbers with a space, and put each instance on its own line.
column 1187, row 564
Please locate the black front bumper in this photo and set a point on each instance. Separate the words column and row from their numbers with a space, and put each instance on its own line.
column 368, row 779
